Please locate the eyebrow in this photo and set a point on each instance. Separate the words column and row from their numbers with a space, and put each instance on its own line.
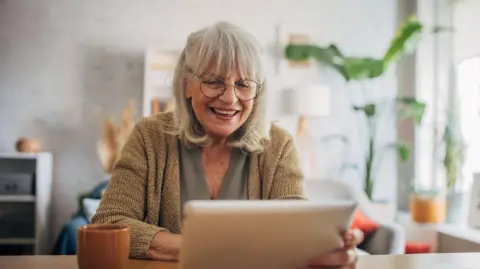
column 211, row 75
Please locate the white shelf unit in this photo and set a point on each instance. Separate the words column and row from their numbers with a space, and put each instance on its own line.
column 38, row 203
column 159, row 67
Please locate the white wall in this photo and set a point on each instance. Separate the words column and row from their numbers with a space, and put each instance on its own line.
column 467, row 36
column 61, row 61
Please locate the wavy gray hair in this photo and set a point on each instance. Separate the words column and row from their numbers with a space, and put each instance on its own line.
column 227, row 48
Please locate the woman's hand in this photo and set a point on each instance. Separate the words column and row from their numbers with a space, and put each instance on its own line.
column 165, row 247
column 345, row 258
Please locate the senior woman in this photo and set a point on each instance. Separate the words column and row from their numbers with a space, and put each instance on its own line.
column 216, row 144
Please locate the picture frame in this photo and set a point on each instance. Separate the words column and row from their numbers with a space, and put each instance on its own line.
column 158, row 78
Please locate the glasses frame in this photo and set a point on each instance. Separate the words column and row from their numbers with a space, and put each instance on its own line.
column 200, row 81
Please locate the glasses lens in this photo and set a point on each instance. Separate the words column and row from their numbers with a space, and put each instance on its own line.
column 212, row 88
column 244, row 89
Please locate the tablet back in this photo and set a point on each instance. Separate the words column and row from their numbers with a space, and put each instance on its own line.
column 261, row 234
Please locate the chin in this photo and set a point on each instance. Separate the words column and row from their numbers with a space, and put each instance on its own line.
column 222, row 132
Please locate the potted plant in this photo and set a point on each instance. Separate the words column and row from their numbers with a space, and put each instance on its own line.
column 368, row 69
column 453, row 160
column 427, row 205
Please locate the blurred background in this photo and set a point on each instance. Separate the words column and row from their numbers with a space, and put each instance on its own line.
column 398, row 118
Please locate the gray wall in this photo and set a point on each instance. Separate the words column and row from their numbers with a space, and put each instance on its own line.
column 65, row 64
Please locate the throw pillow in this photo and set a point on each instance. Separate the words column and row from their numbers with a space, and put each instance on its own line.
column 90, row 207
column 417, row 248
column 363, row 223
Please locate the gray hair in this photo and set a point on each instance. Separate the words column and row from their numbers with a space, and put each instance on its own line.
column 228, row 48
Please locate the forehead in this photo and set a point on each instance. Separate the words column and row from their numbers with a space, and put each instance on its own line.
column 231, row 75
column 227, row 59
column 225, row 69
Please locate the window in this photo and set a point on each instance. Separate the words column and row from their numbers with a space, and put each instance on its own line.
column 468, row 86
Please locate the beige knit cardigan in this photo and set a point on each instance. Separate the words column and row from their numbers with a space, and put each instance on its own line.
column 146, row 177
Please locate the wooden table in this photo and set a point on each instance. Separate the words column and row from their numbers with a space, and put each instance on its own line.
column 437, row 261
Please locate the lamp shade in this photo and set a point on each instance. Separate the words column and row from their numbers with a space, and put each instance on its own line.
column 313, row 101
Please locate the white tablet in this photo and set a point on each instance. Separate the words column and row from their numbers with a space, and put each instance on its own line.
column 261, row 234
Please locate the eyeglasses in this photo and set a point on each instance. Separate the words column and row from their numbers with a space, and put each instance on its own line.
column 245, row 90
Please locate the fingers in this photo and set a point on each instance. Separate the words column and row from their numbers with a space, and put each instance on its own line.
column 338, row 258
column 352, row 238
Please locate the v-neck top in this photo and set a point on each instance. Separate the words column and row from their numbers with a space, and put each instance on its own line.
column 193, row 185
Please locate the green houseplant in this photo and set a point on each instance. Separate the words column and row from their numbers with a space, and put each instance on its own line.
column 453, row 161
column 454, row 151
column 362, row 69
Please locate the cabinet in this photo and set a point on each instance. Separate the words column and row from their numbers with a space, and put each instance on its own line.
column 25, row 210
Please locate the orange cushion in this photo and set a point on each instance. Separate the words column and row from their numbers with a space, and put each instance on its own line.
column 415, row 248
column 362, row 223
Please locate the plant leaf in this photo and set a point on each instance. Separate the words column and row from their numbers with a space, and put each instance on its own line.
column 369, row 109
column 454, row 151
column 329, row 56
column 404, row 41
column 299, row 52
column 403, row 150
column 359, row 68
column 363, row 68
column 411, row 107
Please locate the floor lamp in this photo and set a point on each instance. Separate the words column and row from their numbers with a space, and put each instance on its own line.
column 307, row 103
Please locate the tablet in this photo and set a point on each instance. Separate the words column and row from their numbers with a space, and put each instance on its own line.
column 261, row 234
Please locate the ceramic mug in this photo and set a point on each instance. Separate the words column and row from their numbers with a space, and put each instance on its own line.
column 104, row 246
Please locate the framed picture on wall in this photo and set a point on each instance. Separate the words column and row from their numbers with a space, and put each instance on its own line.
column 159, row 68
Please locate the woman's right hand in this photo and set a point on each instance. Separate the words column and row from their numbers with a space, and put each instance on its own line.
column 165, row 246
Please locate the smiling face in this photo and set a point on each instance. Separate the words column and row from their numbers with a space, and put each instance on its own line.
column 223, row 115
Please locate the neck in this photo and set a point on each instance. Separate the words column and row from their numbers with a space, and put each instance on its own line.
column 217, row 141
column 217, row 148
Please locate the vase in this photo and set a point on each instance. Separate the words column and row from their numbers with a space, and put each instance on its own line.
column 455, row 207
column 428, row 209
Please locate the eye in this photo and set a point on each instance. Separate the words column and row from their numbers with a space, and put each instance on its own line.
column 214, row 83
column 242, row 84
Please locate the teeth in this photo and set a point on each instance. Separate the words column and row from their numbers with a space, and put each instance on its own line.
column 224, row 111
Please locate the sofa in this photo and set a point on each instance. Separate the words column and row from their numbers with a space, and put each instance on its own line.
column 66, row 243
column 383, row 236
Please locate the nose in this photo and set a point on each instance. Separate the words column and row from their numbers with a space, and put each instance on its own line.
column 229, row 96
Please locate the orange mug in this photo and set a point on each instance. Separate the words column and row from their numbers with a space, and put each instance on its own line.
column 104, row 246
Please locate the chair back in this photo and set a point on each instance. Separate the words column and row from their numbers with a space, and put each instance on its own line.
column 327, row 189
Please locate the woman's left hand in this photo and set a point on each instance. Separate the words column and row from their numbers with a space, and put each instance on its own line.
column 346, row 258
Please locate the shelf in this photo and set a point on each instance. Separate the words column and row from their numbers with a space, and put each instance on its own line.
column 17, row 241
column 17, row 198
column 19, row 155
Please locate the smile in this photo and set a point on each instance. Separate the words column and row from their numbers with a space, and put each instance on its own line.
column 224, row 112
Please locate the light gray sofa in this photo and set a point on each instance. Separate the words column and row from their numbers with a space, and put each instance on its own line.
column 389, row 238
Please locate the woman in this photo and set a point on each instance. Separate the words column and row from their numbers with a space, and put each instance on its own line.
column 216, row 144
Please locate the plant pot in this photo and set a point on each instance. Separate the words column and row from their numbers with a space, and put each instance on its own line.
column 455, row 207
column 428, row 209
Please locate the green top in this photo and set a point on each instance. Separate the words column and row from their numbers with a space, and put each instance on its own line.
column 193, row 184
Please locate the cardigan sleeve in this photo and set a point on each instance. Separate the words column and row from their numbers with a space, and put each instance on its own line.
column 124, row 199
column 288, row 178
